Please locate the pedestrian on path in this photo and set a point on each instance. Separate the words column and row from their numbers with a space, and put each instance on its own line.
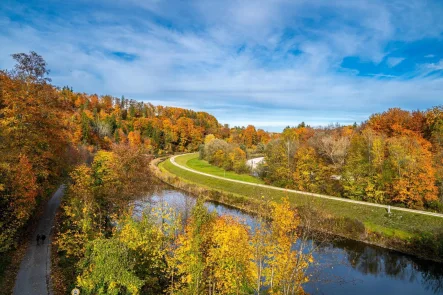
column 38, row 240
column 43, row 239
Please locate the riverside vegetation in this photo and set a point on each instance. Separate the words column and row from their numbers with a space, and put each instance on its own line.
column 104, row 249
column 407, row 232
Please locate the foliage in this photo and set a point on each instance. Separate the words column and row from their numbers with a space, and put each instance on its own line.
column 217, row 255
column 226, row 155
column 108, row 269
column 106, row 143
column 191, row 253
column 396, row 158
column 286, row 269
column 32, row 142
column 374, row 219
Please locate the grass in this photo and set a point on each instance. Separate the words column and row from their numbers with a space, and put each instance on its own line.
column 403, row 225
column 192, row 161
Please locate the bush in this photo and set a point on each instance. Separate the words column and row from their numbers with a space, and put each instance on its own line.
column 435, row 206
column 241, row 167
column 213, row 146
column 350, row 226
column 201, row 152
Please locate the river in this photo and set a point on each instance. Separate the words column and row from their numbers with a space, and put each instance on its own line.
column 342, row 266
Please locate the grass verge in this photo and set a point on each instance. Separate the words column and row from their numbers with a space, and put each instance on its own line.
column 192, row 161
column 380, row 227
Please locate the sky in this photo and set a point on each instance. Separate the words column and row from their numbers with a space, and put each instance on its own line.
column 268, row 63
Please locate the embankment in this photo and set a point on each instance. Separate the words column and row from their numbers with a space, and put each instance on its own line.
column 414, row 234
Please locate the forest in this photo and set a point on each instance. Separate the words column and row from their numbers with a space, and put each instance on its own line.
column 45, row 132
column 101, row 146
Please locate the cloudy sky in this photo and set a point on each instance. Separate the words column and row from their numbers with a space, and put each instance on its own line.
column 268, row 63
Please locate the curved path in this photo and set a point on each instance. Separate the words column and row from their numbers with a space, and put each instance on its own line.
column 35, row 270
column 306, row 193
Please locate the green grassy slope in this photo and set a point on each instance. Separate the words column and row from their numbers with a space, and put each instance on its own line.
column 192, row 161
column 402, row 225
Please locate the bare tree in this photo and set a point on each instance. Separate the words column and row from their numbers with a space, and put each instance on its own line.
column 334, row 146
column 103, row 129
column 30, row 66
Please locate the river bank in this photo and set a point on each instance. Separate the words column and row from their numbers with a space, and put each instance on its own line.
column 341, row 266
column 331, row 219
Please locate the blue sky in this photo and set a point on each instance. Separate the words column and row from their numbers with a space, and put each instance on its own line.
column 268, row 63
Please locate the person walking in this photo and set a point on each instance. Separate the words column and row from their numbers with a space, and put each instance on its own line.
column 38, row 240
column 43, row 239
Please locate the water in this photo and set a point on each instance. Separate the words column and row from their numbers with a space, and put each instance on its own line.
column 342, row 266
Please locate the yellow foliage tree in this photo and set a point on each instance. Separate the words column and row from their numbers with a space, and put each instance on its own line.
column 286, row 268
column 209, row 138
column 230, row 258
column 81, row 219
column 134, row 138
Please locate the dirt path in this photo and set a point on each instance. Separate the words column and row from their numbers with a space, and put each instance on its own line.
column 308, row 194
column 35, row 269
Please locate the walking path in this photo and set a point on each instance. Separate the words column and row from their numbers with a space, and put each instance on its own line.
column 35, row 270
column 306, row 193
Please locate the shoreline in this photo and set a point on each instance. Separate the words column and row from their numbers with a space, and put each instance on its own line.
column 248, row 205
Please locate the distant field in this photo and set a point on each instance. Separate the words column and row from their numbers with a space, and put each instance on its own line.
column 402, row 225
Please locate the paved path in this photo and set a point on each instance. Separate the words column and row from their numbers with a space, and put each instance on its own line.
column 35, row 269
column 253, row 163
column 306, row 193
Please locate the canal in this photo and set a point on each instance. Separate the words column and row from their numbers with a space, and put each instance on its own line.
column 341, row 266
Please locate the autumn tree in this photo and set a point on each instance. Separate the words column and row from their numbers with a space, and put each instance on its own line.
column 334, row 145
column 434, row 133
column 134, row 139
column 309, row 170
column 209, row 138
column 413, row 176
column 250, row 135
column 286, row 268
column 33, row 140
column 18, row 193
column 230, row 258
column 213, row 146
column 276, row 168
column 149, row 240
column 83, row 221
column 281, row 266
column 393, row 119
column 364, row 175
column 237, row 159
column 191, row 254
column 262, row 136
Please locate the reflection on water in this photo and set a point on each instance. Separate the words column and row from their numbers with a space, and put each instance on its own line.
column 342, row 266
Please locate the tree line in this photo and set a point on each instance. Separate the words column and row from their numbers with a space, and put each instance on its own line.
column 395, row 157
column 45, row 131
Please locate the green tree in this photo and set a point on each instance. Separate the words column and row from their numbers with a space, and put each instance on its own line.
column 108, row 268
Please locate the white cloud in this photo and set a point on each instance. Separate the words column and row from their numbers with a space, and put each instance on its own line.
column 435, row 66
column 194, row 59
column 394, row 61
